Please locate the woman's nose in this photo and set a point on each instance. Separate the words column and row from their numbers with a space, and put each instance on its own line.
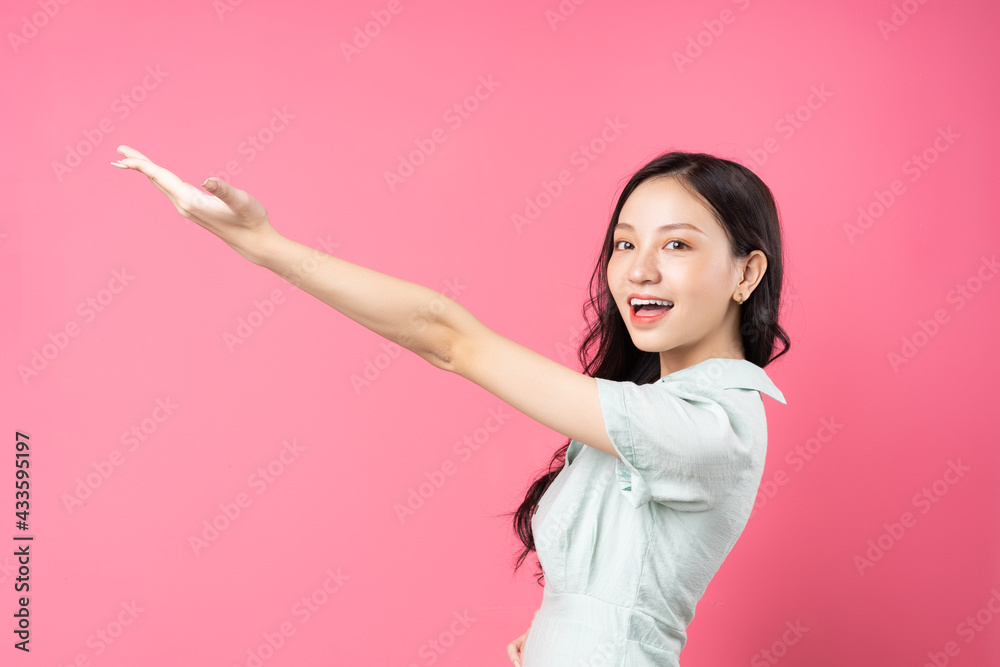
column 644, row 267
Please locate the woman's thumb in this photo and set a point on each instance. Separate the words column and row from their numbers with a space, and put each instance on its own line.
column 223, row 191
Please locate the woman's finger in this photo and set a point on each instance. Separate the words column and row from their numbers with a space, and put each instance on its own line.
column 163, row 178
column 131, row 159
column 128, row 151
column 168, row 183
column 512, row 653
column 184, row 196
column 514, row 649
column 134, row 163
column 172, row 186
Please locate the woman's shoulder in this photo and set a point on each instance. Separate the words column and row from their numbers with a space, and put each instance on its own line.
column 723, row 373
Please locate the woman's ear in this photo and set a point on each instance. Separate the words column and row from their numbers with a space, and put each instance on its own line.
column 754, row 268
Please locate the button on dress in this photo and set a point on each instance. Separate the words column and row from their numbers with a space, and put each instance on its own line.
column 628, row 545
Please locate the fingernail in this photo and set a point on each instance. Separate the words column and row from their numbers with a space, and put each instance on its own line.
column 120, row 165
column 121, row 152
column 210, row 185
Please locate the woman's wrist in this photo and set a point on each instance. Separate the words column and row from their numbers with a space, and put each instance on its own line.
column 259, row 246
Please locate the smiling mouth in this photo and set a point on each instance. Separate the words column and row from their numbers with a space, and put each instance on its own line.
column 650, row 307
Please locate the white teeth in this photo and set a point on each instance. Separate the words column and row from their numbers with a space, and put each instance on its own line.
column 647, row 302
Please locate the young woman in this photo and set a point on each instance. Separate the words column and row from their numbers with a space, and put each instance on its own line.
column 666, row 426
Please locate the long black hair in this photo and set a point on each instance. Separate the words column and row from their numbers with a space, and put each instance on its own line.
column 745, row 208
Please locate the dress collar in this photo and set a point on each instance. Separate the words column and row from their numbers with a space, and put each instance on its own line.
column 728, row 374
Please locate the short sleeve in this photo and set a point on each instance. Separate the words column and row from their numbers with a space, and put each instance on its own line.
column 677, row 445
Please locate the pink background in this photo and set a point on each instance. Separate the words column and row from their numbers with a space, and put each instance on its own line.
column 81, row 85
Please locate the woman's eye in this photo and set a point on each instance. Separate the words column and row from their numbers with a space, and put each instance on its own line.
column 617, row 245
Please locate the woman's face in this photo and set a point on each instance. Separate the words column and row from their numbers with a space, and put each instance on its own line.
column 687, row 263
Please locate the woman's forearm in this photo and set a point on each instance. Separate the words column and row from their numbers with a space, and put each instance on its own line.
column 409, row 314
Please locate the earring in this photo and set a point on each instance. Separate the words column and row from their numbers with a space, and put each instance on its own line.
column 740, row 301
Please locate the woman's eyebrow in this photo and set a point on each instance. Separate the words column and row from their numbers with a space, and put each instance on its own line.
column 665, row 228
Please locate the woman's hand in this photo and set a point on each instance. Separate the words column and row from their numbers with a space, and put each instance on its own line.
column 515, row 648
column 231, row 214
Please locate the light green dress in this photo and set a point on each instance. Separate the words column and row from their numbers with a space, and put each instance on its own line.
column 628, row 545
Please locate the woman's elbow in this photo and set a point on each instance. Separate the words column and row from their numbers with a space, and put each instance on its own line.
column 437, row 337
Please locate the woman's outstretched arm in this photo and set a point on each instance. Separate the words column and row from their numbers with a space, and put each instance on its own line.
column 433, row 326
column 401, row 311
column 409, row 314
